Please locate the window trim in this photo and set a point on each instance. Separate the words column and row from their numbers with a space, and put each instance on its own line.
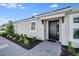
column 74, row 33
column 75, row 20
column 32, row 26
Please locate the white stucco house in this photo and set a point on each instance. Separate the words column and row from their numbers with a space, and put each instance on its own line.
column 59, row 25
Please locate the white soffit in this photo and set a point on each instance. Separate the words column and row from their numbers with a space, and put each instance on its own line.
column 53, row 16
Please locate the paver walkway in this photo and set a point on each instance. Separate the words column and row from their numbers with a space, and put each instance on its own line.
column 8, row 48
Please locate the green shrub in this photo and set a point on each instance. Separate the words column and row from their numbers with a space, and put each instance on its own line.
column 25, row 41
column 15, row 38
column 0, row 34
column 25, row 36
column 21, row 37
column 10, row 37
column 77, row 54
column 34, row 39
column 2, row 29
column 71, row 49
column 69, row 46
column 3, row 34
column 10, row 28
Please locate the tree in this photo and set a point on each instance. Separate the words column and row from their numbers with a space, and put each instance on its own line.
column 10, row 28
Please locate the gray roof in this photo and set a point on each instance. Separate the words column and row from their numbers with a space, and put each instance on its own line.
column 43, row 14
column 54, row 10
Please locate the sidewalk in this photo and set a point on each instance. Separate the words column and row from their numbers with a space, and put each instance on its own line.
column 8, row 48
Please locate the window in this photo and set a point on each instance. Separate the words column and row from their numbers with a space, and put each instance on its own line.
column 76, row 20
column 33, row 26
column 76, row 33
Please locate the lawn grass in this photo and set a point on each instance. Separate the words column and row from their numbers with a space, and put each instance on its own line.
column 2, row 31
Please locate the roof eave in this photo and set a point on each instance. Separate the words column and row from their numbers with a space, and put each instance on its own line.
column 54, row 12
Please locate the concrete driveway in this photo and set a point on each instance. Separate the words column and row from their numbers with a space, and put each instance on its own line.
column 8, row 48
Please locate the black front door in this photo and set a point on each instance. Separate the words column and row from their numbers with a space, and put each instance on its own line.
column 54, row 30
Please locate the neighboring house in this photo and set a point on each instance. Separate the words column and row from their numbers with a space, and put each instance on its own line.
column 59, row 25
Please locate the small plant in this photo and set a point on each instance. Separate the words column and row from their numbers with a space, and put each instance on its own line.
column 25, row 36
column 69, row 46
column 25, row 41
column 71, row 49
column 10, row 37
column 34, row 39
column 21, row 37
column 3, row 34
column 77, row 54
column 14, row 38
column 2, row 29
column 0, row 34
column 17, row 36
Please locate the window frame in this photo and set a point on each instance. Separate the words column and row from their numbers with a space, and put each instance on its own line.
column 75, row 19
column 33, row 26
column 75, row 33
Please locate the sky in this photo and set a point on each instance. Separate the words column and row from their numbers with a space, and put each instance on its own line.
column 18, row 11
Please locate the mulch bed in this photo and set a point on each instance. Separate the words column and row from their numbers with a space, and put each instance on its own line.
column 29, row 46
column 65, row 52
